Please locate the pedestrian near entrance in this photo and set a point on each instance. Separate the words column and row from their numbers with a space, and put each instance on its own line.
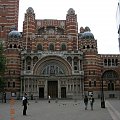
column 49, row 99
column 25, row 103
column 4, row 97
column 91, row 102
column 86, row 102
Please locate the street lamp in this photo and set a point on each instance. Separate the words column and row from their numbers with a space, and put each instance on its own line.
column 102, row 97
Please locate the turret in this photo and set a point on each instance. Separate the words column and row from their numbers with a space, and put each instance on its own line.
column 71, row 22
column 88, row 45
column 72, row 26
column 86, row 41
column 12, row 52
column 28, row 27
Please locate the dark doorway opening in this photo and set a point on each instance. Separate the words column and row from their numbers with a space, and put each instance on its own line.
column 63, row 92
column 41, row 92
column 53, row 89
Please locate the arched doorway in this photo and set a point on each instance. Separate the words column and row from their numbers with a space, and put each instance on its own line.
column 109, row 77
column 51, row 69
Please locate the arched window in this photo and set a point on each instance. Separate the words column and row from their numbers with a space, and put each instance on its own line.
column 94, row 83
column 8, row 84
column 28, row 63
column 92, row 46
column 35, row 59
column 113, row 62
column 39, row 47
column 10, row 45
column 52, row 70
column 111, row 86
column 15, row 46
column 13, row 72
column 28, row 60
column 89, row 83
column 88, row 46
column 9, row 72
column 76, row 63
column 41, row 31
column 83, row 47
column 69, row 59
column 19, row 46
column 116, row 62
column 105, row 62
column 63, row 47
column 109, row 62
column 13, row 84
column 110, row 74
column 51, row 47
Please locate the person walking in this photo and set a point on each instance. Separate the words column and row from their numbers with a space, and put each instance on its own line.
column 91, row 102
column 4, row 97
column 86, row 102
column 25, row 103
column 49, row 99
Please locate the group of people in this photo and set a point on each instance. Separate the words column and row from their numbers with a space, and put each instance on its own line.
column 25, row 102
column 86, row 100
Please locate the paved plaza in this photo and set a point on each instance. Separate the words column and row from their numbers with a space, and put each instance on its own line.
column 62, row 110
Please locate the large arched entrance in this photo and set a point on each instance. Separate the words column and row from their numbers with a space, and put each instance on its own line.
column 110, row 78
column 52, row 70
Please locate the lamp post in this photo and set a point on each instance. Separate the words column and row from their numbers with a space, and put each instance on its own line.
column 118, row 22
column 102, row 96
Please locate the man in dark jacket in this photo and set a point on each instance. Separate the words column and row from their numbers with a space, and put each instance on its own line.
column 25, row 102
column 86, row 102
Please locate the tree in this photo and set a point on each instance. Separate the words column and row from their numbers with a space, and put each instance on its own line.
column 2, row 67
column 2, row 84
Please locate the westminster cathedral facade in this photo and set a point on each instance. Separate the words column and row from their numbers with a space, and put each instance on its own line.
column 51, row 57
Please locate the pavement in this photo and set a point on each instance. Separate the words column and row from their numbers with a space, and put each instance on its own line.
column 62, row 110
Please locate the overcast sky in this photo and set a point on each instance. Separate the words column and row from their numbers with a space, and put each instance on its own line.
column 99, row 15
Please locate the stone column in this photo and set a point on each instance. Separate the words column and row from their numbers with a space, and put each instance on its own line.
column 28, row 85
column 32, row 83
column 21, row 93
column 67, row 87
column 37, row 85
column 37, row 89
column 25, row 65
column 79, row 65
column 46, row 91
column 70, row 87
column 72, row 64
column 24, row 85
column 81, row 86
column 59, row 89
column 32, row 65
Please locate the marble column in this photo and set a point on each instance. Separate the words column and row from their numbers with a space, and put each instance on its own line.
column 59, row 89
column 79, row 65
column 24, row 85
column 21, row 90
column 72, row 64
column 28, row 85
column 46, row 91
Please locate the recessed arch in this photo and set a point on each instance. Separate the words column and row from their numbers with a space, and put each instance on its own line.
column 49, row 60
column 110, row 74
